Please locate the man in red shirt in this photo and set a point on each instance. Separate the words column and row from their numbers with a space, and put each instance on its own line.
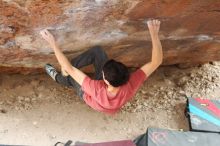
column 113, row 86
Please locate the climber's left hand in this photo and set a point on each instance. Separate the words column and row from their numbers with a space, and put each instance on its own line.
column 48, row 36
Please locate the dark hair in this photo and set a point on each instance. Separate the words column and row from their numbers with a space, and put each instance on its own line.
column 115, row 73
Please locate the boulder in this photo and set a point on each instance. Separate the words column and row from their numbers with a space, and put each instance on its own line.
column 190, row 30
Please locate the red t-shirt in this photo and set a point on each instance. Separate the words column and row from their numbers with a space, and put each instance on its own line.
column 96, row 96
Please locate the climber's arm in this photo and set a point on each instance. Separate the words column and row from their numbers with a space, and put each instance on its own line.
column 75, row 73
column 157, row 54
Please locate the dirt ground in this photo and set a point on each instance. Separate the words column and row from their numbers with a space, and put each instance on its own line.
column 34, row 110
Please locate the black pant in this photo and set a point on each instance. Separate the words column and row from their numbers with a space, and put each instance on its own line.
column 95, row 56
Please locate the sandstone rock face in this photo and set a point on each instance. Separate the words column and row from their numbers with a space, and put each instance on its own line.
column 190, row 30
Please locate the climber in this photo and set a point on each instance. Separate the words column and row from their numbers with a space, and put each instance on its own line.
column 112, row 85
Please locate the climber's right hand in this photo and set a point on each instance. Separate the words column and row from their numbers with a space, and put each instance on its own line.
column 154, row 27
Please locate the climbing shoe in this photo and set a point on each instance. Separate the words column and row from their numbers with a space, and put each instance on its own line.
column 51, row 71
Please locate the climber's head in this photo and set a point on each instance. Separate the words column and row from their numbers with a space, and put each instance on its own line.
column 115, row 73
